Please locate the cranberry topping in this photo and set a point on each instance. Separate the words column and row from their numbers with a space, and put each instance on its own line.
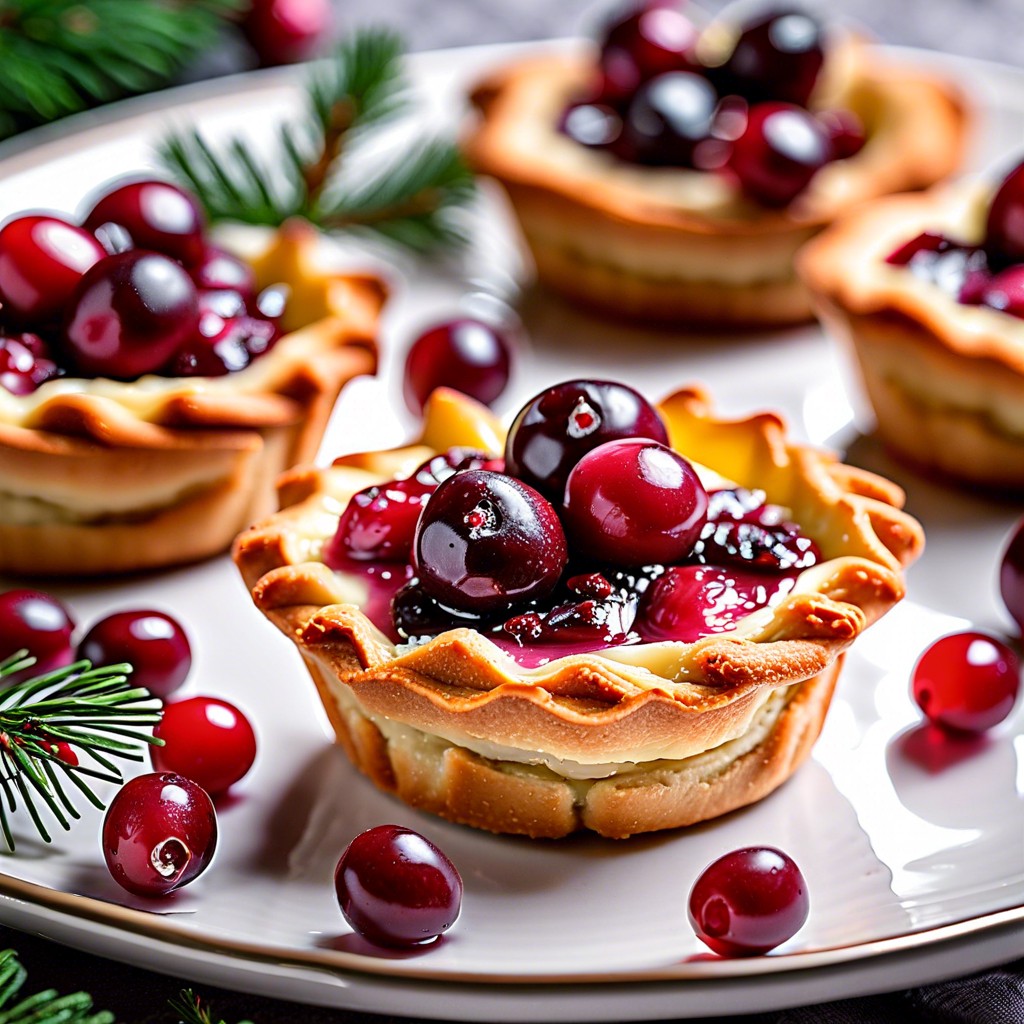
column 1004, row 226
column 220, row 346
column 24, row 364
column 37, row 622
column 668, row 117
column 1011, row 574
column 1005, row 291
column 591, row 124
column 218, row 270
column 928, row 242
column 959, row 270
column 846, row 133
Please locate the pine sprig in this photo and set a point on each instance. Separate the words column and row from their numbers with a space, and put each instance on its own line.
column 408, row 200
column 62, row 56
column 190, row 1010
column 46, row 1007
column 94, row 710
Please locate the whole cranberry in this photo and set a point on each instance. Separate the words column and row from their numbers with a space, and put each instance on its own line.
column 157, row 215
column 556, row 428
column 1005, row 291
column 129, row 315
column 159, row 833
column 781, row 149
column 749, row 901
column 286, row 31
column 24, row 364
column 37, row 622
column 218, row 270
column 1004, row 226
column 153, row 643
column 1011, row 574
column 223, row 345
column 486, row 541
column 634, row 502
column 396, row 888
column 595, row 125
column 42, row 259
column 668, row 117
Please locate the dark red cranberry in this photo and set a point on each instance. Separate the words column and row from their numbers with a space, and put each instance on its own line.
column 966, row 682
column 37, row 622
column 668, row 117
column 776, row 57
column 556, row 428
column 926, row 242
column 1005, row 291
column 1011, row 574
column 781, row 149
column 396, row 888
column 1004, row 226
column 221, row 346
column 594, row 125
column 151, row 642
column 219, row 271
column 486, row 542
column 467, row 355
column 159, row 833
column 634, row 502
column 414, row 613
column 286, row 31
column 749, row 901
column 157, row 215
column 207, row 740
column 960, row 271
column 42, row 259
column 23, row 363
column 846, row 133
column 602, row 621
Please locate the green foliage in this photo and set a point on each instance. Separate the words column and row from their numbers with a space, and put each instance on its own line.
column 190, row 1011
column 45, row 1007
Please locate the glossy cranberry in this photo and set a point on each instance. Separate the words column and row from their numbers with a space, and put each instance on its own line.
column 634, row 502
column 556, row 428
column 1005, row 291
column 846, row 133
column 157, row 215
column 486, row 541
column 151, row 642
column 207, row 740
column 221, row 346
column 1011, row 574
column 600, row 621
column 286, row 31
column 129, row 315
column 159, row 833
column 960, row 271
column 1004, row 226
column 781, row 149
column 396, row 888
column 594, row 125
column 749, row 901
column 414, row 613
column 217, row 270
column 24, row 364
column 668, row 117
column 42, row 259
column 966, row 682
column 926, row 242
column 37, row 622
column 776, row 57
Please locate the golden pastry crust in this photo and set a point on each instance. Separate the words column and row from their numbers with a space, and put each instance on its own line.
column 945, row 380
column 679, row 246
column 101, row 476
column 622, row 741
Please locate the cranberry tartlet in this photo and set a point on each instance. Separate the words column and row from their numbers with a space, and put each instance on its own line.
column 928, row 292
column 153, row 386
column 632, row 619
column 672, row 174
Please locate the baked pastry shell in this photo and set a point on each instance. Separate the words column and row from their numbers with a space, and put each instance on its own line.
column 100, row 476
column 456, row 727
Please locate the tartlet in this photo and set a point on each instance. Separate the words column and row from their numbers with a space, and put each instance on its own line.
column 106, row 476
column 618, row 740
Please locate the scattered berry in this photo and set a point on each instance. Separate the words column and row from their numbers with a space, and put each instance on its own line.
column 37, row 622
column 286, row 31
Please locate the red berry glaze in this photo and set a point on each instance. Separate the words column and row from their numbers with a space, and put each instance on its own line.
column 153, row 643
column 218, row 270
column 285, row 31
column 1004, row 226
column 24, row 364
column 396, row 888
column 748, row 902
column 42, row 259
column 467, row 355
column 634, row 502
column 1005, row 291
column 207, row 740
column 966, row 682
column 1011, row 574
column 159, row 833
column 39, row 623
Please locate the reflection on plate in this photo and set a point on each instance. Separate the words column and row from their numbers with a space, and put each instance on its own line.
column 912, row 851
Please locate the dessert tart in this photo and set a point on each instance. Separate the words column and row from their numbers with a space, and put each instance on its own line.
column 928, row 292
column 672, row 175
column 153, row 386
column 657, row 650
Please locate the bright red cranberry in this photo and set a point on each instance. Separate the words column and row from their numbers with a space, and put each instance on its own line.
column 153, row 643
column 556, row 428
column 396, row 888
column 1005, row 291
column 159, row 833
column 634, row 502
column 1004, row 226
column 218, row 270
column 966, row 682
column 1011, row 574
column 467, row 355
column 749, row 901
column 207, row 740
column 846, row 133
column 37, row 622
column 776, row 57
column 42, row 259
column 130, row 314
column 486, row 541
column 926, row 242
column 781, row 149
column 286, row 31
column 24, row 364
column 157, row 215
column 594, row 125
column 668, row 117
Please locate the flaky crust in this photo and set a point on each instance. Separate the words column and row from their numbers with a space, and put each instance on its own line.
column 623, row 242
column 945, row 380
column 102, row 477
column 680, row 732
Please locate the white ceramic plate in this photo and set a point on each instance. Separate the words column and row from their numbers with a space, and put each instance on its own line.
column 914, row 854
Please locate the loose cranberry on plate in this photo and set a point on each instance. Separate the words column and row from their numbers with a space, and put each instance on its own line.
column 1011, row 574
column 285, row 31
column 37, row 622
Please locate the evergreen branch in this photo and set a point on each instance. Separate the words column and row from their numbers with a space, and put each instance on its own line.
column 47, row 1007
column 190, row 1010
